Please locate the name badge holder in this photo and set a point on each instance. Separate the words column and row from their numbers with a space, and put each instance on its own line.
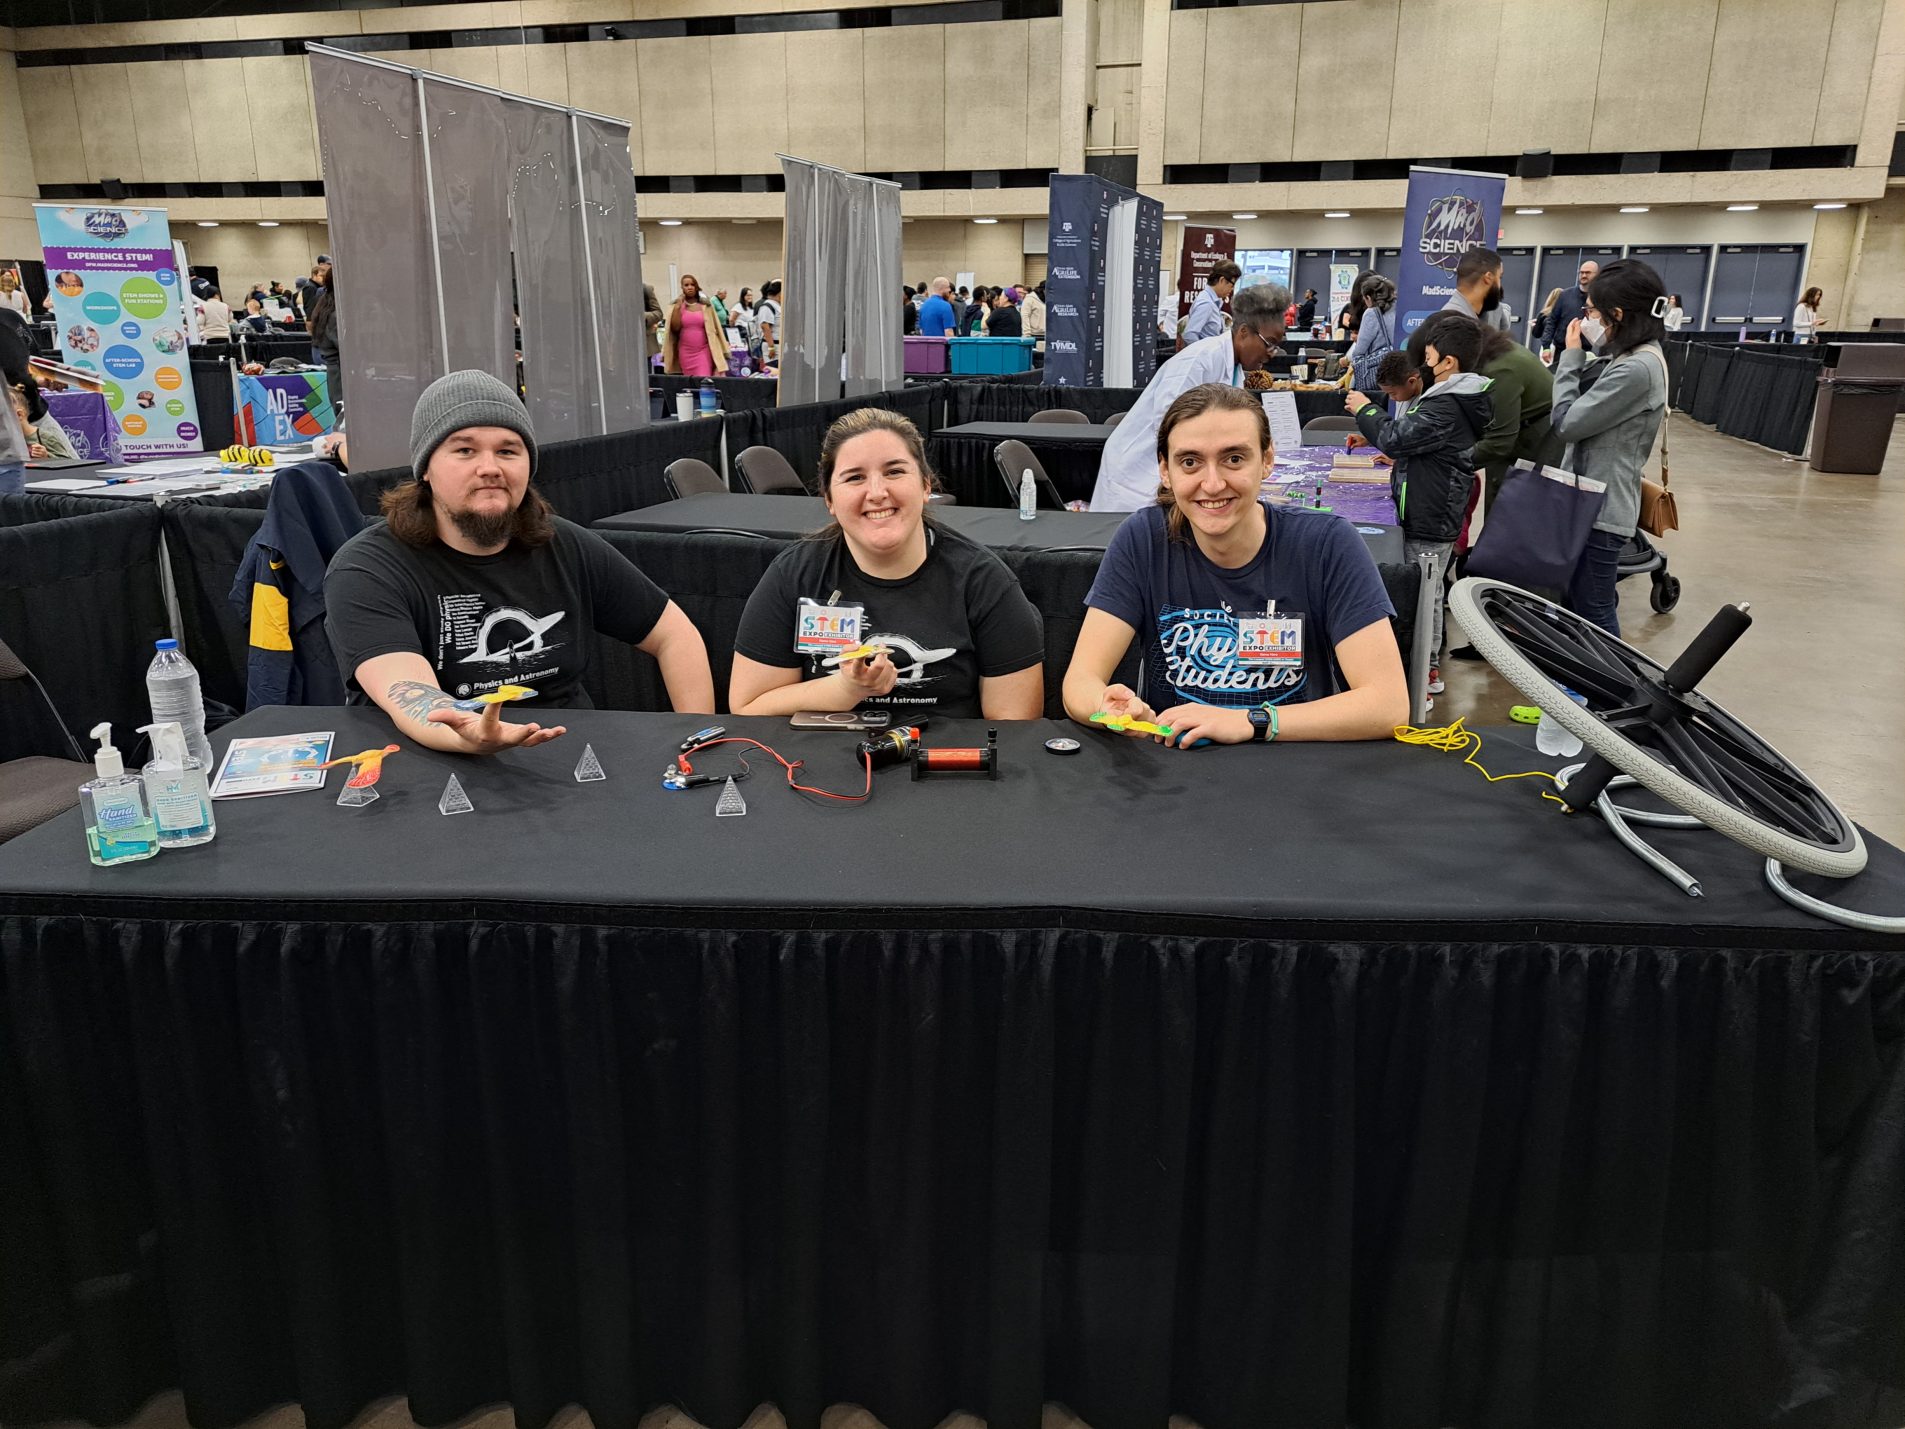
column 1270, row 639
column 826, row 628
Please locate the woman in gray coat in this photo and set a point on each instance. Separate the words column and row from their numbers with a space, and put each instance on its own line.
column 1608, row 409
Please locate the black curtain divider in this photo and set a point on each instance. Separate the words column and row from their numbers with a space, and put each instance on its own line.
column 738, row 394
column 795, row 432
column 994, row 402
column 967, row 471
column 212, row 390
column 1265, row 1181
column 81, row 604
column 1714, row 375
column 25, row 508
column 710, row 575
column 1694, row 364
column 205, row 544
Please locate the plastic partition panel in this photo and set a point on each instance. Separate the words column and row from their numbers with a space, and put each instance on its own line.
column 1121, row 237
column 386, row 283
column 551, row 275
column 873, row 288
column 615, row 268
column 468, row 131
column 801, row 380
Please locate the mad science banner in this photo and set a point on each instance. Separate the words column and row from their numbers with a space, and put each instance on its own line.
column 1450, row 211
column 116, row 298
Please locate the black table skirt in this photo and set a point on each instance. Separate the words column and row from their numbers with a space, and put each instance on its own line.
column 964, row 464
column 1558, row 1148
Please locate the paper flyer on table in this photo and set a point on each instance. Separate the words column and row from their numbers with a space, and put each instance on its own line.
column 1286, row 429
column 273, row 764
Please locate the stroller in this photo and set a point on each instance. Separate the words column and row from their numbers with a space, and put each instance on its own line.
column 1641, row 557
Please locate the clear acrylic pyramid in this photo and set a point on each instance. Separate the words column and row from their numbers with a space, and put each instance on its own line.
column 588, row 768
column 454, row 800
column 349, row 798
column 732, row 804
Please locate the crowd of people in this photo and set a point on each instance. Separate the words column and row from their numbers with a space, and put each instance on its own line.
column 937, row 309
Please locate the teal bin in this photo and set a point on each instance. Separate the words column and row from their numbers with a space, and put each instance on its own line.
column 991, row 354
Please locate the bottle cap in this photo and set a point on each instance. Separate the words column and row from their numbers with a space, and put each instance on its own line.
column 108, row 763
column 165, row 644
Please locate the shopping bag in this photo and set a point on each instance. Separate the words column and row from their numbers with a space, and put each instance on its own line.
column 1536, row 530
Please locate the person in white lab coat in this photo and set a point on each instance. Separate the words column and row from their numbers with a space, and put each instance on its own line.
column 1128, row 471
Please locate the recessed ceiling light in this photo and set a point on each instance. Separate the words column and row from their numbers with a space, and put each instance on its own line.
column 1635, row 208
column 1338, row 213
column 1174, row 218
column 670, row 223
column 1828, row 205
column 1741, row 207
column 267, row 223
column 1243, row 215
column 1530, row 211
column 208, row 223
column 985, row 220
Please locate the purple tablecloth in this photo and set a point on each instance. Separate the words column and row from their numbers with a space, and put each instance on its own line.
column 1365, row 502
column 88, row 422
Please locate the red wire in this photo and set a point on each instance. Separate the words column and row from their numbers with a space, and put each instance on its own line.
column 789, row 767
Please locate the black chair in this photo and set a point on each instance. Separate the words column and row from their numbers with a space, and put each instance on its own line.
column 36, row 788
column 1014, row 458
column 1062, row 416
column 765, row 472
column 690, row 476
column 1326, row 431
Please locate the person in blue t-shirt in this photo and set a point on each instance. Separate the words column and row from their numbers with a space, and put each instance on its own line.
column 936, row 317
column 1257, row 622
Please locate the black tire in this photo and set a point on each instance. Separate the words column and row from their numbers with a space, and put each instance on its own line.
column 1666, row 592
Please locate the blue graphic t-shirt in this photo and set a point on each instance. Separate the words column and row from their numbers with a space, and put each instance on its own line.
column 1185, row 608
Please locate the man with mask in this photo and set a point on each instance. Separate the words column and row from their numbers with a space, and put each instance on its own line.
column 1128, row 472
column 1478, row 289
column 1570, row 305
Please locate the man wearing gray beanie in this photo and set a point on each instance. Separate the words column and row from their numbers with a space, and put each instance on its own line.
column 474, row 586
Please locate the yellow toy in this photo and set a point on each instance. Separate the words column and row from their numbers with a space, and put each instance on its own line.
column 366, row 766
column 859, row 652
column 247, row 456
column 1122, row 723
column 501, row 695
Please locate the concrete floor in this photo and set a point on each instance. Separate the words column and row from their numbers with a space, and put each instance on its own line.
column 1820, row 675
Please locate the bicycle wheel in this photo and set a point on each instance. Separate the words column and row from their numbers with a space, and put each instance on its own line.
column 1683, row 746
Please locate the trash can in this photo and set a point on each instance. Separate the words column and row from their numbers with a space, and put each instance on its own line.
column 1852, row 422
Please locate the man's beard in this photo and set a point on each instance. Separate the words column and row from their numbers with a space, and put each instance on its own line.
column 1492, row 300
column 485, row 530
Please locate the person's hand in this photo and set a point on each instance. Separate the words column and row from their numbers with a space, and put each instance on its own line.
column 1382, row 460
column 868, row 678
column 1354, row 402
column 1123, row 700
column 1354, row 440
column 36, row 451
column 1190, row 723
column 1574, row 336
column 486, row 733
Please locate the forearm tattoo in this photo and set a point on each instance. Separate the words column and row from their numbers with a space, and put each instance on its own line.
column 416, row 700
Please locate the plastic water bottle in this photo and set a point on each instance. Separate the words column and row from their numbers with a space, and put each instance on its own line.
column 172, row 686
column 1028, row 496
column 1552, row 739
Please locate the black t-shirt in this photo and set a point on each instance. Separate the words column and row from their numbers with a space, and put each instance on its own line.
column 960, row 617
column 524, row 616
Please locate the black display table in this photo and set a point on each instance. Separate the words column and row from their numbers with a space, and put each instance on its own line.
column 1069, row 452
column 1275, row 1086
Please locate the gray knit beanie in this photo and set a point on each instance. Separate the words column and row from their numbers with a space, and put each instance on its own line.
column 465, row 399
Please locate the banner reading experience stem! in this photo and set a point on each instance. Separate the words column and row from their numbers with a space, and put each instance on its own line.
column 1450, row 211
column 116, row 297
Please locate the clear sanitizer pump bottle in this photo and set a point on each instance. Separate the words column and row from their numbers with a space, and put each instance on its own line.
column 119, row 827
column 177, row 789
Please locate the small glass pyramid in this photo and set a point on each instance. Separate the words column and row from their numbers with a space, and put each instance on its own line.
column 349, row 798
column 588, row 768
column 454, row 800
column 732, row 804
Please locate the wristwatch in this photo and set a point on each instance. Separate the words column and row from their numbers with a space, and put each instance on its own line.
column 1263, row 723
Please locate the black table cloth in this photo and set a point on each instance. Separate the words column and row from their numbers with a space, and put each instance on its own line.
column 1070, row 453
column 981, row 1095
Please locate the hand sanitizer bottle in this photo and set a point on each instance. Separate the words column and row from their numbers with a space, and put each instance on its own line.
column 1028, row 496
column 119, row 826
column 176, row 789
